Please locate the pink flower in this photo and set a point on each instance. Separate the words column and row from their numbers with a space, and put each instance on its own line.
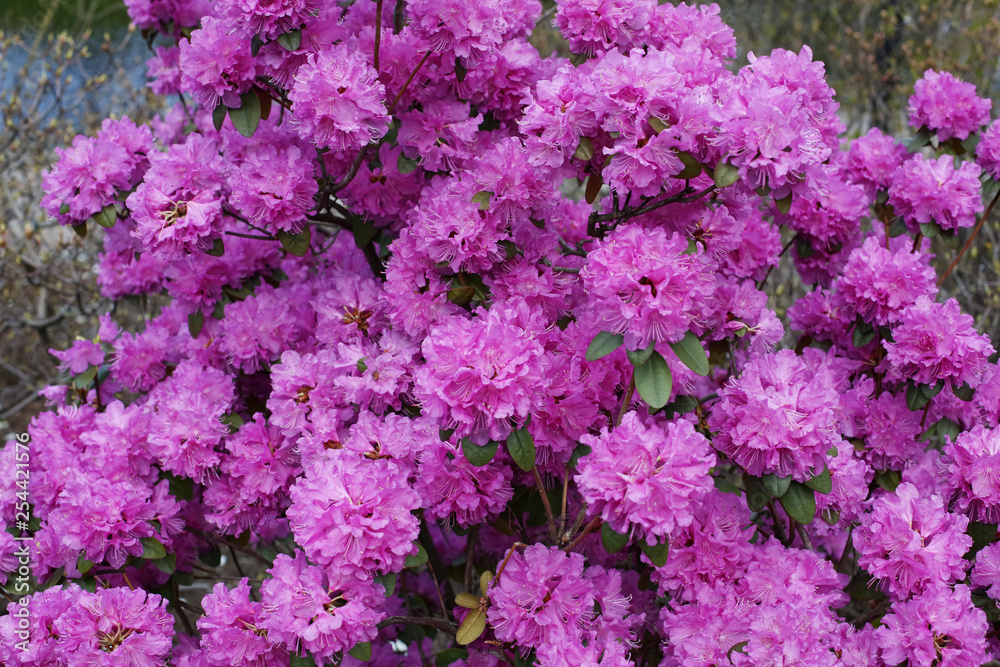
column 940, row 627
column 971, row 465
column 947, row 105
column 878, row 283
column 647, row 477
column 927, row 190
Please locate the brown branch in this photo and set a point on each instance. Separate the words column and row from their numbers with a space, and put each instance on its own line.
column 968, row 243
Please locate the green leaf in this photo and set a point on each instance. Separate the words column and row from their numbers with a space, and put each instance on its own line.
column 830, row 516
column 196, row 321
column 467, row 600
column 888, row 479
column 296, row 244
column 657, row 124
column 417, row 559
column 302, row 661
column 63, row 208
column 799, row 502
column 578, row 453
column 897, row 228
column 821, row 482
column 612, row 540
column 594, row 183
column 361, row 651
column 166, row 565
column 450, row 655
column 803, row 247
column 405, row 165
column 776, row 486
column 725, row 175
column 460, row 71
column 364, row 232
column 982, row 534
column 462, row 295
column 80, row 230
column 653, row 381
column 691, row 354
column 915, row 398
column 725, row 486
column 692, row 168
column 930, row 229
column 472, row 627
column 388, row 581
column 218, row 248
column 247, row 117
column 784, row 205
column 152, row 548
column 290, row 40
column 863, row 333
column 83, row 380
column 965, row 392
column 233, row 421
column 219, row 115
column 255, row 45
column 479, row 455
column 639, row 357
column 584, row 149
column 862, row 588
column 83, row 565
column 603, row 344
column 521, row 446
column 922, row 138
column 739, row 647
column 180, row 487
column 212, row 557
column 483, row 199
column 682, row 405
column 107, row 216
column 656, row 553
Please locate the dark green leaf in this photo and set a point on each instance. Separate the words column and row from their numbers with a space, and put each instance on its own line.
column 989, row 607
column 509, row 249
column 152, row 548
column 290, row 40
column 830, row 516
column 584, row 150
column 603, row 344
column 930, row 229
column 461, row 296
column 388, row 582
column 821, row 482
column 775, row 485
column 950, row 238
column 653, row 381
column 88, row 584
column 739, row 647
column 233, row 421
column 656, row 553
column 479, row 455
column 888, row 479
column 296, row 244
column 181, row 488
column 803, row 247
column 364, row 232
column 107, row 216
column 55, row 577
column 922, row 138
column 445, row 434
column 63, row 208
column 692, row 168
column 897, row 228
column 80, row 230
column 612, row 540
column 965, row 392
column 167, row 565
column 255, row 45
column 863, row 588
column 183, row 578
column 302, row 661
column 784, row 204
column 682, row 405
column 361, row 365
column 219, row 115
column 639, row 357
column 725, row 175
column 915, row 399
column 578, row 453
column 521, row 446
column 863, row 333
column 196, row 321
column 799, row 502
column 218, row 248
column 472, row 627
column 417, row 559
column 460, row 70
column 931, row 390
column 361, row 651
column 83, row 565
column 725, row 486
column 450, row 655
column 212, row 557
column 691, row 354
column 83, row 380
column 657, row 124
column 405, row 165
column 247, row 117
column 982, row 534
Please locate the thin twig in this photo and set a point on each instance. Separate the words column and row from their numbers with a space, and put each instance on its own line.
column 627, row 400
column 545, row 503
column 378, row 32
column 595, row 522
column 968, row 243
column 395, row 101
column 470, row 557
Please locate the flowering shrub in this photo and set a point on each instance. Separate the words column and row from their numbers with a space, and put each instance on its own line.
column 470, row 351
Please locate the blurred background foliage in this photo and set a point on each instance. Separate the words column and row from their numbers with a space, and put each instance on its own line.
column 67, row 64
